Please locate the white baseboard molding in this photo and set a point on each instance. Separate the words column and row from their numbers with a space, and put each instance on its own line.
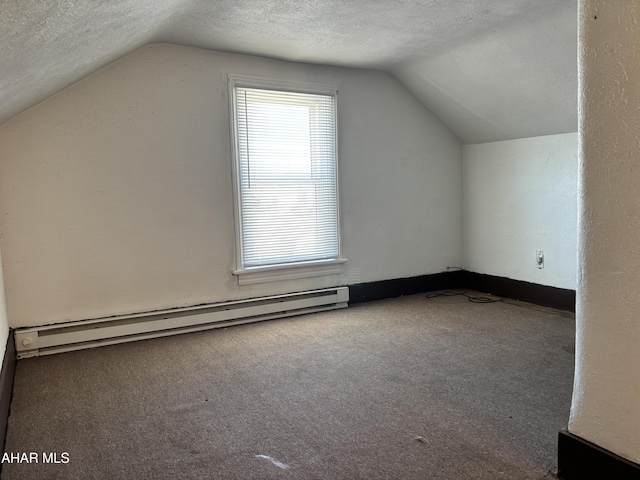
column 64, row 337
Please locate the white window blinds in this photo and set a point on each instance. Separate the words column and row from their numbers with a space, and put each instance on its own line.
column 286, row 169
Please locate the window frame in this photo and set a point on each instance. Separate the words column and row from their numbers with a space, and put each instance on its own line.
column 282, row 271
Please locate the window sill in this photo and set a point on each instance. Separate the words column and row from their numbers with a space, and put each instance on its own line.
column 293, row 271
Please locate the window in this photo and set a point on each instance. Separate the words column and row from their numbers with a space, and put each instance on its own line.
column 286, row 180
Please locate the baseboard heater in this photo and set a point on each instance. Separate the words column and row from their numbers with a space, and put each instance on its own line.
column 64, row 337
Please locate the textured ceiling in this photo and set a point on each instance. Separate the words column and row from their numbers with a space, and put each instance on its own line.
column 489, row 69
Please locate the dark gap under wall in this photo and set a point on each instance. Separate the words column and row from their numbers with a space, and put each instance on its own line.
column 554, row 297
column 366, row 292
column 579, row 459
column 6, row 385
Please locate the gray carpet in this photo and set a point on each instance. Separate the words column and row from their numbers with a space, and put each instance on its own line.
column 407, row 388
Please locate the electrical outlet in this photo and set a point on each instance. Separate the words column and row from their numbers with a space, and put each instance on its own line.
column 539, row 259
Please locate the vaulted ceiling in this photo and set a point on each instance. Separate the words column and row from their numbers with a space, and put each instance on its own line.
column 488, row 69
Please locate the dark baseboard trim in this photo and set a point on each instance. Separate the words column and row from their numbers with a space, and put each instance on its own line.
column 365, row 292
column 579, row 459
column 554, row 297
column 6, row 384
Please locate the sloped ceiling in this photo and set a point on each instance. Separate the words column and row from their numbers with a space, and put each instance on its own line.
column 489, row 69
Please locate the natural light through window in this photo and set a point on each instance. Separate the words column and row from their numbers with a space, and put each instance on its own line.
column 286, row 176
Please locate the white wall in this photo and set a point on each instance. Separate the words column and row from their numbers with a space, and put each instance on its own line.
column 116, row 193
column 520, row 197
column 606, row 396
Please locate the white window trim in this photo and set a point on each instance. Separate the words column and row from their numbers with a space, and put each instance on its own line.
column 291, row 271
column 288, row 271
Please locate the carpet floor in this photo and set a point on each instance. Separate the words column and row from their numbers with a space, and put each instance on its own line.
column 406, row 388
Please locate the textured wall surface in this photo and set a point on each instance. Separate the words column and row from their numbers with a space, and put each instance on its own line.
column 519, row 197
column 606, row 399
column 504, row 84
column 489, row 69
column 116, row 193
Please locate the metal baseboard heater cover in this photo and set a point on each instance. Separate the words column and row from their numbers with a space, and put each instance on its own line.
column 65, row 337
